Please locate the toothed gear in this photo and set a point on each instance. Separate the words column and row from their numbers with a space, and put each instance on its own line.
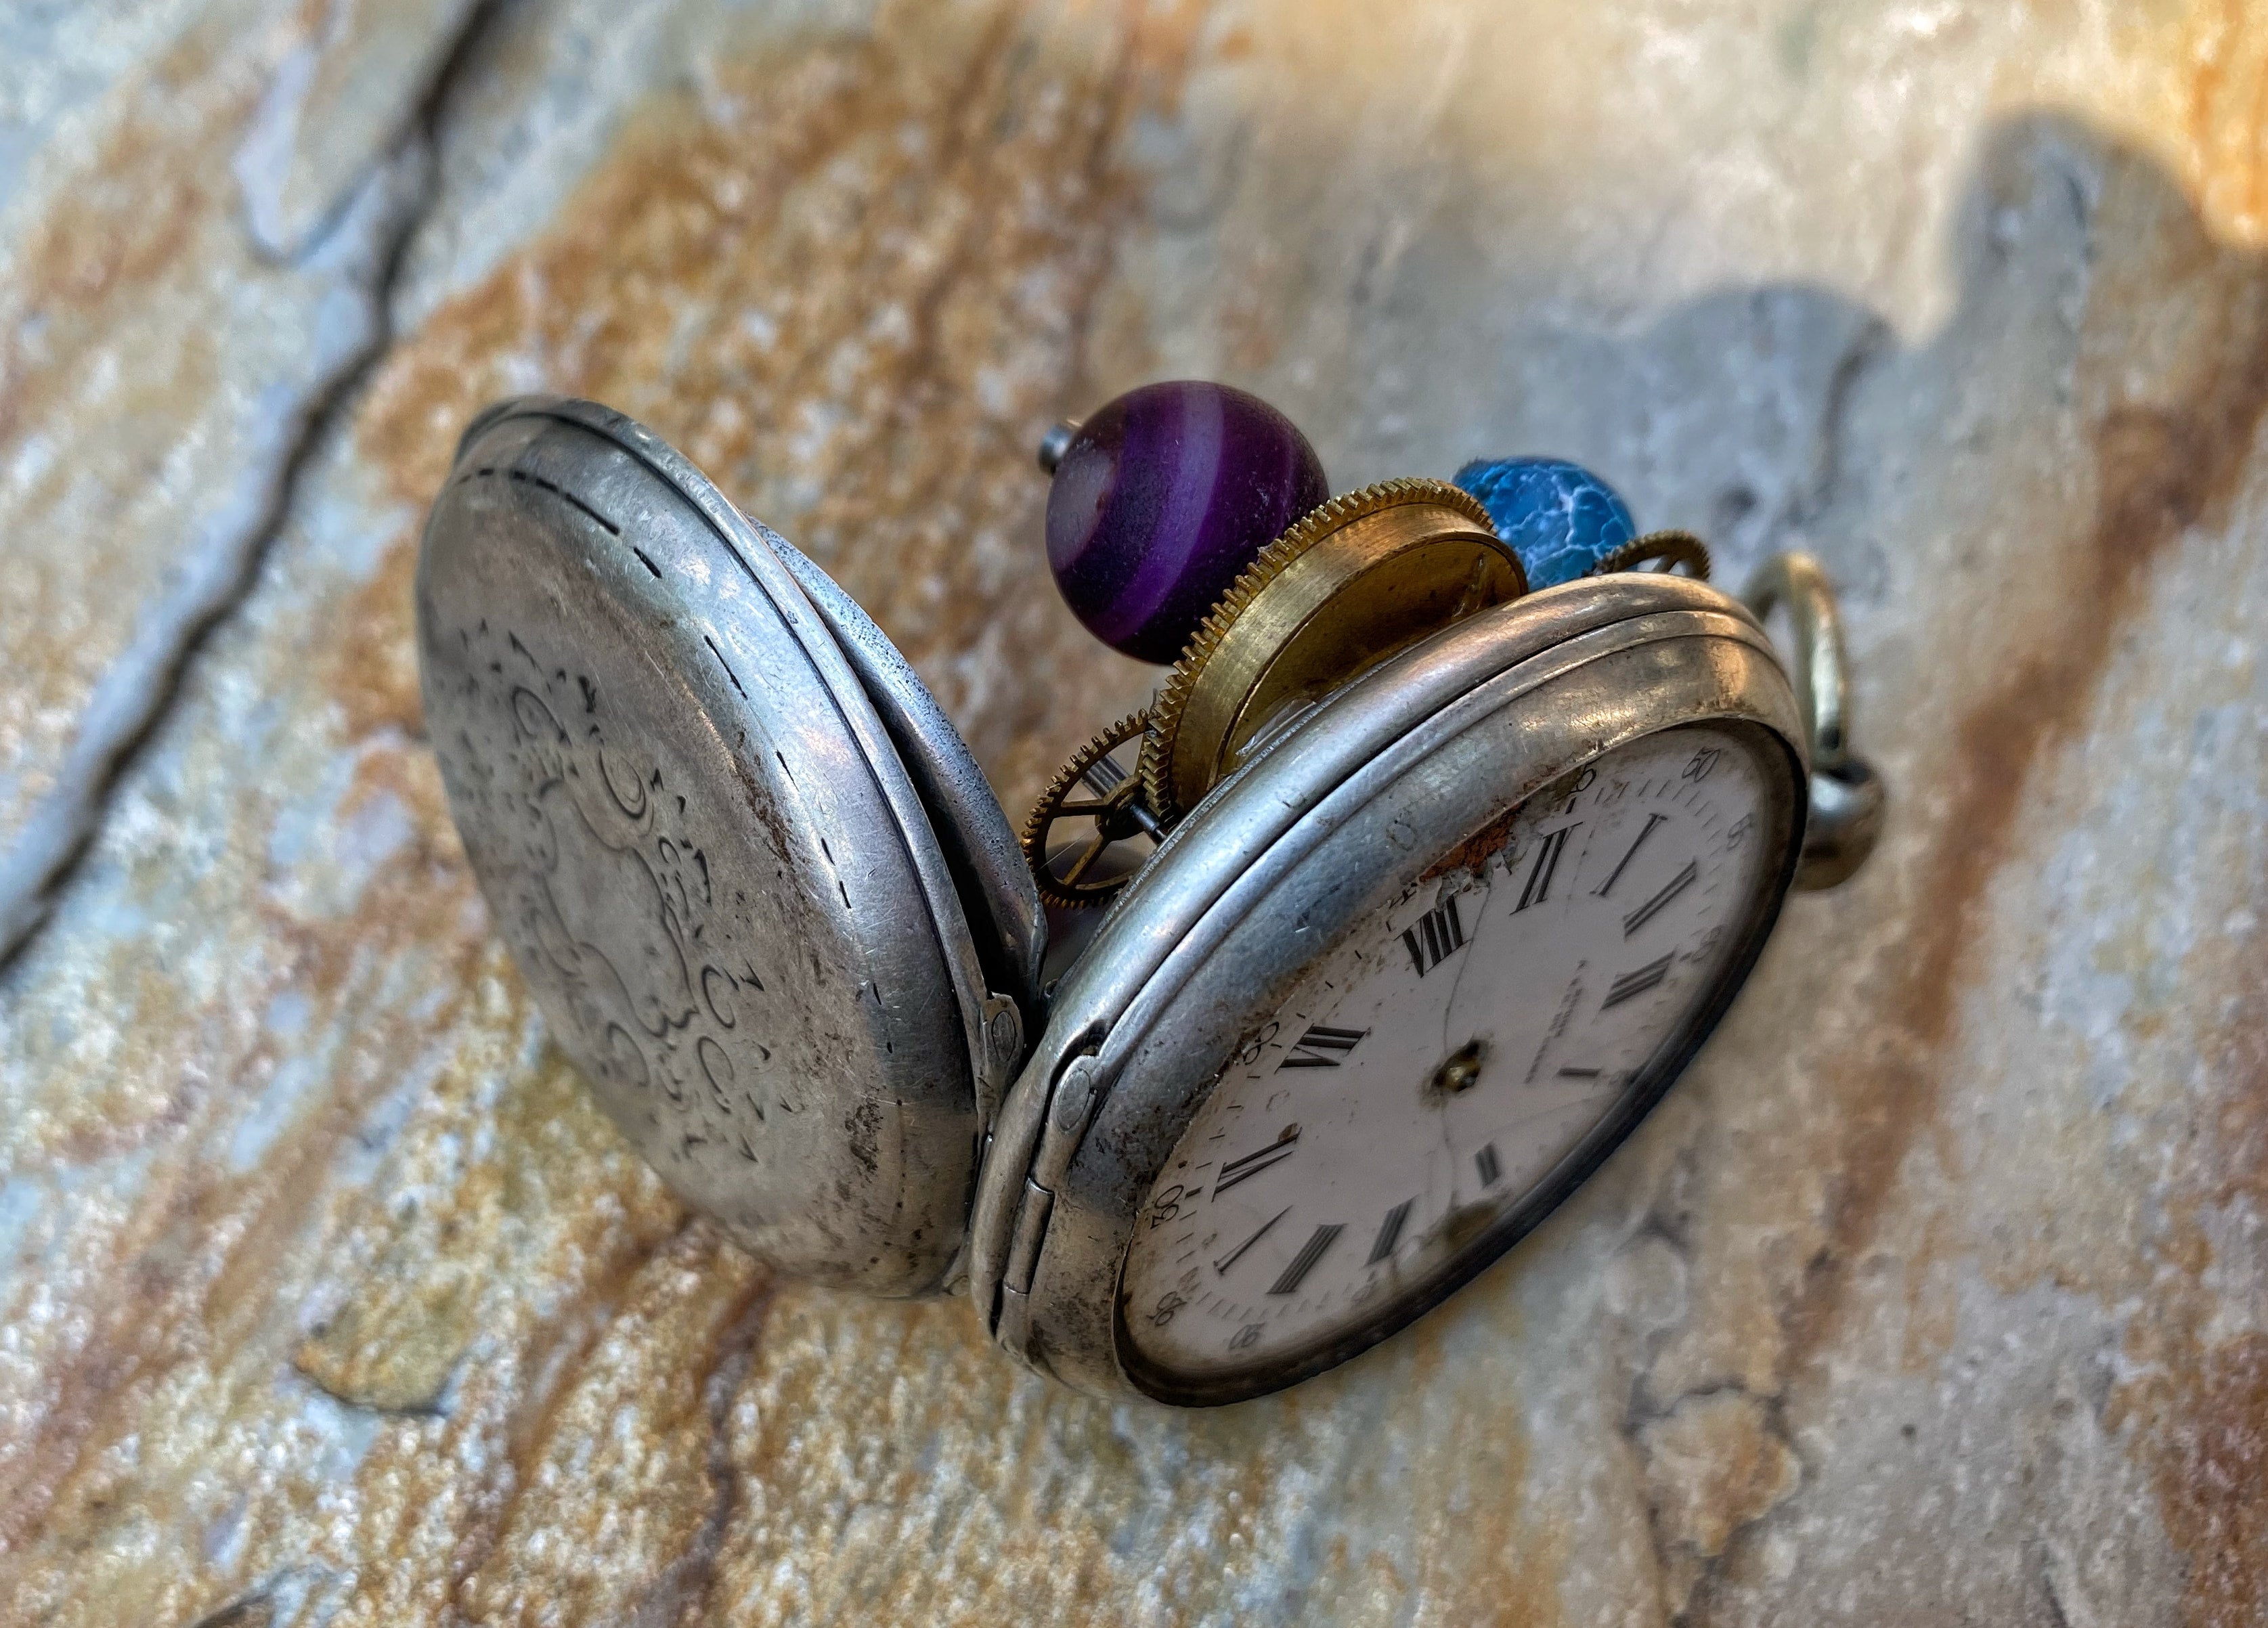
column 1324, row 521
column 1666, row 549
column 1120, row 813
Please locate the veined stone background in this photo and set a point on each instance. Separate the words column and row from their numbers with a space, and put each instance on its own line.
column 1938, row 1292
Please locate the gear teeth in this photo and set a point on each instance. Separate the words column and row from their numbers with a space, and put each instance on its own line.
column 1673, row 547
column 1303, row 535
column 1033, row 837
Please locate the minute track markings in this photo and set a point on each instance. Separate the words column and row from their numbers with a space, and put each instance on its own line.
column 1416, row 1207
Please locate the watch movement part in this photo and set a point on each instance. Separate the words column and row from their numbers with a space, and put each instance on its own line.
column 1667, row 549
column 1354, row 581
column 1083, row 871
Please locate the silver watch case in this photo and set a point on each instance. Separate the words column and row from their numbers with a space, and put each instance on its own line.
column 771, row 908
column 754, row 877
column 1344, row 810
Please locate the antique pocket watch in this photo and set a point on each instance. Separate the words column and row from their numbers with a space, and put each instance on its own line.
column 1451, row 877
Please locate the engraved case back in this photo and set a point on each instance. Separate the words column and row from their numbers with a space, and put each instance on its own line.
column 669, row 786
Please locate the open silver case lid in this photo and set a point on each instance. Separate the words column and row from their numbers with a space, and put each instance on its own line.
column 761, row 889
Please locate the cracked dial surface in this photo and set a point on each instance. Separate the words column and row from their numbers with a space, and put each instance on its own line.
column 1433, row 1078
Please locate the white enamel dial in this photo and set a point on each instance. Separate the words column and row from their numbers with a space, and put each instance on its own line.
column 1449, row 1056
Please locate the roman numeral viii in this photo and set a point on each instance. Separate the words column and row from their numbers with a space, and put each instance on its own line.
column 1630, row 985
column 1322, row 1048
column 1548, row 850
column 1435, row 940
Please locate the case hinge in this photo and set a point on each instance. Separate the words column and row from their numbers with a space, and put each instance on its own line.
column 1003, row 1049
column 1071, row 1106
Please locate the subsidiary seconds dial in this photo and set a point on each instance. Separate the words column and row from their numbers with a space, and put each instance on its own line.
column 1451, row 1057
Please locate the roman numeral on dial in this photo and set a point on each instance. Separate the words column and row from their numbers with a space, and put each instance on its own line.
column 1436, row 938
column 1318, row 1245
column 1632, row 984
column 1660, row 901
column 1389, row 1232
column 1487, row 1166
column 1252, row 1164
column 1615, row 875
column 1322, row 1048
column 1548, row 851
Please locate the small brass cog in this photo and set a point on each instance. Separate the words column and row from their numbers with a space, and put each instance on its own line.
column 1666, row 549
column 1352, row 582
column 1117, row 814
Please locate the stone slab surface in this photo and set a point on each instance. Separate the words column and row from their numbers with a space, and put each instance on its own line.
column 1937, row 1293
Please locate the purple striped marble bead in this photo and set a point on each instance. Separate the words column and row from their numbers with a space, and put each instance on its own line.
column 1161, row 498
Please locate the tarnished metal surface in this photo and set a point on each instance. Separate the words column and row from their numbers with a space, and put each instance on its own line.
column 1392, row 774
column 1935, row 1291
column 710, row 865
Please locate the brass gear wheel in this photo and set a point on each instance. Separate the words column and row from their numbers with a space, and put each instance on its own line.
column 1352, row 582
column 1666, row 549
column 1117, row 811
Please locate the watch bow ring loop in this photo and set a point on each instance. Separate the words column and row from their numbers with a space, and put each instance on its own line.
column 1846, row 794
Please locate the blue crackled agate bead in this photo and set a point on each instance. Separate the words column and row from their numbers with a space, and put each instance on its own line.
column 1161, row 498
column 1559, row 518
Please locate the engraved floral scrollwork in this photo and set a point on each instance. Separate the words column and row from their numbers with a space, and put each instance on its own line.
column 608, row 897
